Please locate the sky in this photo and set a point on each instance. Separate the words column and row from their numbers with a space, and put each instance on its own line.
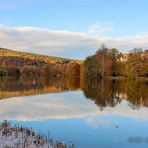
column 73, row 28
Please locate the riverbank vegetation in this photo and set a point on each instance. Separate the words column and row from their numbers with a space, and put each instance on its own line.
column 111, row 63
column 105, row 62
column 21, row 137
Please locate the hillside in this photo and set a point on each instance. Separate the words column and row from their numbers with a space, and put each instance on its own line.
column 32, row 56
column 15, row 63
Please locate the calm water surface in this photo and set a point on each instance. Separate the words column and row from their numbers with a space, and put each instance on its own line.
column 108, row 113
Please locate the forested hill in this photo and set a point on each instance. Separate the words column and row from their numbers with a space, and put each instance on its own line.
column 48, row 59
column 15, row 63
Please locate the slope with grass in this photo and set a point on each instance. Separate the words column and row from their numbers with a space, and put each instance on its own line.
column 51, row 59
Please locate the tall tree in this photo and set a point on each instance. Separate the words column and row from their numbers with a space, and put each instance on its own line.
column 135, row 63
column 91, row 68
column 115, row 59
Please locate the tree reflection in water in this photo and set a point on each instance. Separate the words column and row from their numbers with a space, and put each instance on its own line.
column 112, row 92
column 13, row 87
column 104, row 93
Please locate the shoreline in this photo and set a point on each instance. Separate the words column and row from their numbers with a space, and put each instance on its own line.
column 126, row 78
column 109, row 77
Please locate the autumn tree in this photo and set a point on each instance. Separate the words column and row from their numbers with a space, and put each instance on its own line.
column 103, row 63
column 108, row 60
column 135, row 64
column 91, row 68
column 74, row 69
column 115, row 61
column 3, row 71
column 46, row 70
column 145, row 58
column 11, row 69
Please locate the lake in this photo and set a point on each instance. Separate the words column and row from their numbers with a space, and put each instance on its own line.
column 90, row 114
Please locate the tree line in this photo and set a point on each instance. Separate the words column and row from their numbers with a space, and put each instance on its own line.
column 16, row 67
column 108, row 62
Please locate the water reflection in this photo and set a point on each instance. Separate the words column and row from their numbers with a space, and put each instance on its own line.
column 88, row 113
column 104, row 93
column 112, row 92
column 14, row 87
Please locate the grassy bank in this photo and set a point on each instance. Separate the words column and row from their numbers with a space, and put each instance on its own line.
column 21, row 137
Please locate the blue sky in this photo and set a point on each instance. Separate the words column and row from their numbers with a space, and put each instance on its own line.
column 73, row 28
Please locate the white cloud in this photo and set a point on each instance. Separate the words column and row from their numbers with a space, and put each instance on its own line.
column 101, row 28
column 65, row 43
